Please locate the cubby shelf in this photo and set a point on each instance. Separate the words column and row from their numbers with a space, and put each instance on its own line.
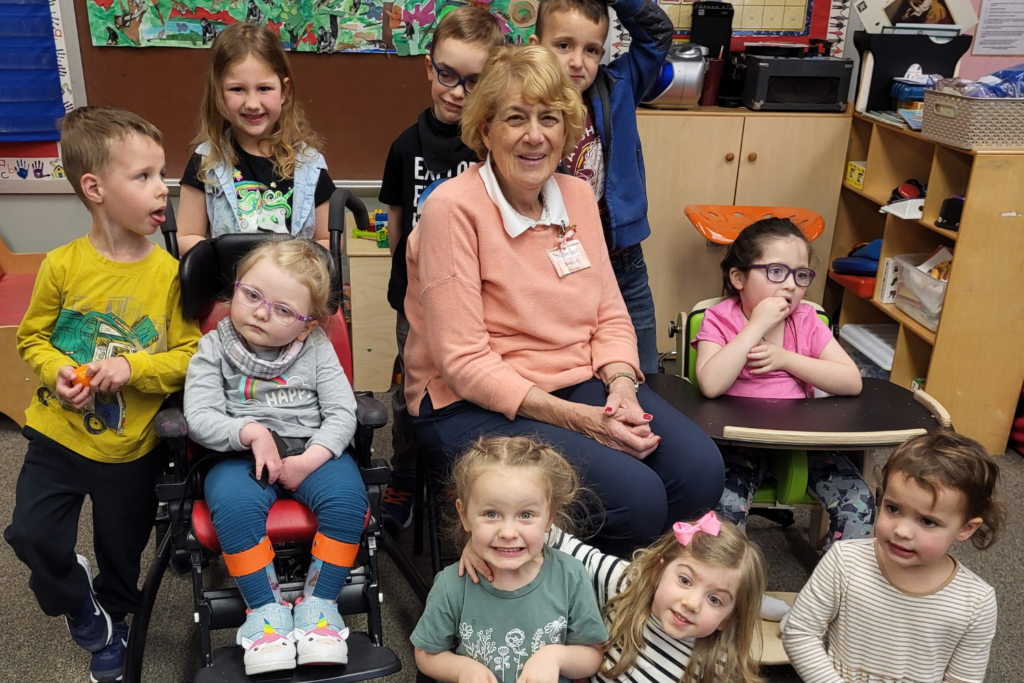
column 903, row 319
column 948, row 234
column 973, row 364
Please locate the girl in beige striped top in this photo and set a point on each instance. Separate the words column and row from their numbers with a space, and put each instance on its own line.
column 897, row 608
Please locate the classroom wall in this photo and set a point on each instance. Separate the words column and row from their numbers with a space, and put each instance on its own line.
column 41, row 222
column 973, row 67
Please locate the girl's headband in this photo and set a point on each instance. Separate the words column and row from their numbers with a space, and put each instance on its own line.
column 709, row 524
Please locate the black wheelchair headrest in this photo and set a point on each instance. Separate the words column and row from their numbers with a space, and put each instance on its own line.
column 207, row 271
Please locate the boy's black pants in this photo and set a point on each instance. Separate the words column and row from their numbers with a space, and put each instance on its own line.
column 51, row 487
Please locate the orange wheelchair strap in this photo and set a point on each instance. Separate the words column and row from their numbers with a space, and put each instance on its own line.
column 251, row 560
column 334, row 552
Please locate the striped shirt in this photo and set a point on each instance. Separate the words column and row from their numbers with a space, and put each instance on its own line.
column 850, row 625
column 664, row 659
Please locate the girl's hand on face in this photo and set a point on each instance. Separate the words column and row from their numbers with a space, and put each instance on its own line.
column 765, row 358
column 472, row 564
column 769, row 313
column 544, row 666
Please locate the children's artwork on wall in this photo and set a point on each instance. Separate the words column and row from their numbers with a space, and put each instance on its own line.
column 403, row 27
column 40, row 160
column 775, row 20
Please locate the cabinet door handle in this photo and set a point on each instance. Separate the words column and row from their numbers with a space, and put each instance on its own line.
column 730, row 156
column 752, row 156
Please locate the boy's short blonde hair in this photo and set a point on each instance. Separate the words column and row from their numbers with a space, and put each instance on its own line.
column 470, row 24
column 87, row 134
column 302, row 260
column 541, row 79
column 594, row 10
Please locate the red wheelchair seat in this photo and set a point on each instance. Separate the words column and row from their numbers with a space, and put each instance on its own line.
column 289, row 522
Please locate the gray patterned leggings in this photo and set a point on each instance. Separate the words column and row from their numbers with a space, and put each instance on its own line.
column 831, row 477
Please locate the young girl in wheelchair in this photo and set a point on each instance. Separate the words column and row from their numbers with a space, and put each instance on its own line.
column 537, row 618
column 268, row 386
column 762, row 342
column 685, row 610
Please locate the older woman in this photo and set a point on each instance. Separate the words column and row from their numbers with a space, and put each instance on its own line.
column 518, row 326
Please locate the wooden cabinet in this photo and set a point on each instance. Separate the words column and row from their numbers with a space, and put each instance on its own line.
column 973, row 364
column 730, row 156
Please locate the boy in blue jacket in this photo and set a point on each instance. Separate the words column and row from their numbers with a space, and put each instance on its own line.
column 609, row 155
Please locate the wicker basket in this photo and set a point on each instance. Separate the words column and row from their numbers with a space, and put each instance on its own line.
column 973, row 122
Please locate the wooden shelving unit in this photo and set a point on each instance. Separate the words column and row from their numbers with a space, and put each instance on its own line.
column 974, row 362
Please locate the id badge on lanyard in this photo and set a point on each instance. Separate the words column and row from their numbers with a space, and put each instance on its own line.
column 568, row 257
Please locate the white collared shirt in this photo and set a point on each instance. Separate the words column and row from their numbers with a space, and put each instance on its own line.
column 552, row 213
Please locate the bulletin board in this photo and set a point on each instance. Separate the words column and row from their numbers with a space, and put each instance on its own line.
column 358, row 103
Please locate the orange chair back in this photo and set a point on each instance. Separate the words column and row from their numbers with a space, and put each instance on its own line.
column 722, row 223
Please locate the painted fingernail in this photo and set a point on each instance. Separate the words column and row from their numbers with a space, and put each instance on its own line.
column 659, row 440
column 648, row 416
column 608, row 410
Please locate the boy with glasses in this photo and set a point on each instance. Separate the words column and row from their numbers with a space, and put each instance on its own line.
column 425, row 152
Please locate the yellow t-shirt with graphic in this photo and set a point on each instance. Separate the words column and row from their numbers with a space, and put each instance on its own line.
column 87, row 308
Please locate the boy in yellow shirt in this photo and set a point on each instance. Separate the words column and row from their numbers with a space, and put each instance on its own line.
column 111, row 302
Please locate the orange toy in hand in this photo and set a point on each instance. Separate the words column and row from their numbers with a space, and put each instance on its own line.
column 82, row 375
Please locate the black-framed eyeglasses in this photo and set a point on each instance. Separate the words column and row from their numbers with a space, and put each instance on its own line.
column 450, row 79
column 280, row 313
column 778, row 272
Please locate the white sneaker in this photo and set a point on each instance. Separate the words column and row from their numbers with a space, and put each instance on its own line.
column 320, row 632
column 266, row 636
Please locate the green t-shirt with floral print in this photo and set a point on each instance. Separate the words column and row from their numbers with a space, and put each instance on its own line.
column 502, row 629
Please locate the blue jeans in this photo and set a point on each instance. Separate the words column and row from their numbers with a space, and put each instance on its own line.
column 239, row 507
column 680, row 480
column 631, row 274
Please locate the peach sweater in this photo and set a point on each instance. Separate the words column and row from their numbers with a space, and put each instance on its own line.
column 489, row 317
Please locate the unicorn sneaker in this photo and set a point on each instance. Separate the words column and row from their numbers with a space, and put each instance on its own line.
column 320, row 632
column 266, row 636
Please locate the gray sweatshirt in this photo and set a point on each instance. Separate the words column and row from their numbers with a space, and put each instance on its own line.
column 311, row 399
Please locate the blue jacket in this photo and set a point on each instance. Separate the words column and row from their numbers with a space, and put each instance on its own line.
column 614, row 96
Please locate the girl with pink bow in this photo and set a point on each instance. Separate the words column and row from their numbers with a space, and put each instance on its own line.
column 685, row 610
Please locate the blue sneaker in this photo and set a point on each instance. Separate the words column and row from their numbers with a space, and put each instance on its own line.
column 107, row 665
column 89, row 624
column 399, row 499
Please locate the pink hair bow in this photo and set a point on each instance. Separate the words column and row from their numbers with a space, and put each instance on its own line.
column 709, row 524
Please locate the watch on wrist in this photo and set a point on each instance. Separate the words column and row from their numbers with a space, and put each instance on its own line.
column 617, row 375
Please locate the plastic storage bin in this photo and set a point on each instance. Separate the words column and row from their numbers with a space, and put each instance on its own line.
column 918, row 294
column 973, row 122
column 872, row 347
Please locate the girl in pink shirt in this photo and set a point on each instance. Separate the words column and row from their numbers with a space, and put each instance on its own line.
column 762, row 342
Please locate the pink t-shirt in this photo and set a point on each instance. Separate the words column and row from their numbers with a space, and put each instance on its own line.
column 805, row 334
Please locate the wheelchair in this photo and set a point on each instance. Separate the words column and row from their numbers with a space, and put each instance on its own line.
column 188, row 538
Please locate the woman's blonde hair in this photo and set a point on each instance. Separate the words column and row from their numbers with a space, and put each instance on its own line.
column 291, row 135
column 540, row 78
column 302, row 260
column 519, row 453
column 725, row 655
